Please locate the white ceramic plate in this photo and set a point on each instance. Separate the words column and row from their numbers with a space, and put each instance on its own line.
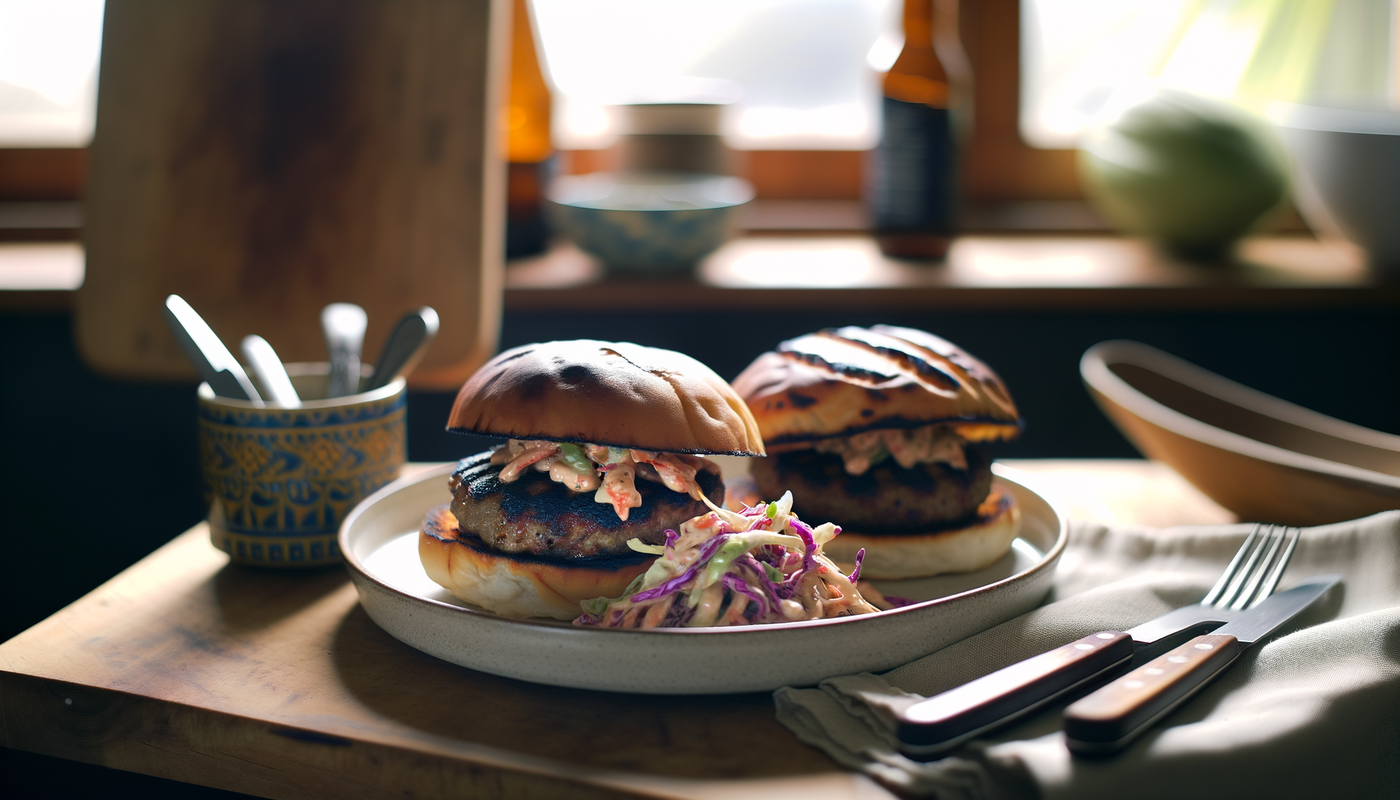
column 379, row 540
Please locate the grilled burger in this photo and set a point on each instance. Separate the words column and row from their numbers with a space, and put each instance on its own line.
column 604, row 444
column 877, row 430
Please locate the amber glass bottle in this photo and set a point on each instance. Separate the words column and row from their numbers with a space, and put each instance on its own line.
column 529, row 152
column 912, row 180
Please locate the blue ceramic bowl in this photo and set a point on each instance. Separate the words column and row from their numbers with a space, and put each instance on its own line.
column 648, row 222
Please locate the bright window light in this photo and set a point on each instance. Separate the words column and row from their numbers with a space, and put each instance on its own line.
column 802, row 67
column 48, row 71
column 806, row 70
column 1076, row 54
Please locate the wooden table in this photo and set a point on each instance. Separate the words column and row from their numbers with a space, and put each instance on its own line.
column 278, row 684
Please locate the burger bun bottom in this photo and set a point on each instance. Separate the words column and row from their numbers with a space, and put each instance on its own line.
column 918, row 555
column 517, row 586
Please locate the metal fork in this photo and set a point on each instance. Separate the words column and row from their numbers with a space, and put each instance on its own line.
column 936, row 724
column 1251, row 576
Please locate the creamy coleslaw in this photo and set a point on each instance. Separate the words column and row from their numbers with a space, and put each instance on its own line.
column 761, row 564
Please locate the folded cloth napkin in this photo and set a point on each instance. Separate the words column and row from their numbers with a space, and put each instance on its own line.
column 1313, row 711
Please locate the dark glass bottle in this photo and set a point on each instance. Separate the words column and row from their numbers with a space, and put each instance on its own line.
column 912, row 181
column 529, row 151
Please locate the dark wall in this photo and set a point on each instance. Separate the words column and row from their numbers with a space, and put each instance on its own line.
column 96, row 473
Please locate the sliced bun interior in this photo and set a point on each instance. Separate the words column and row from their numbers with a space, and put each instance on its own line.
column 843, row 381
column 611, row 393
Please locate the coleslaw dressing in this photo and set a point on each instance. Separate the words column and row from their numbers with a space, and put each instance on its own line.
column 928, row 444
column 759, row 565
column 609, row 472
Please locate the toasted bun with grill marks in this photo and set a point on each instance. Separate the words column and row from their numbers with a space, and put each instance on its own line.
column 915, row 555
column 611, row 393
column 844, row 381
column 513, row 585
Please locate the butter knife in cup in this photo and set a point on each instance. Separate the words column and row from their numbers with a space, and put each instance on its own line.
column 931, row 727
column 215, row 363
column 1113, row 716
column 268, row 368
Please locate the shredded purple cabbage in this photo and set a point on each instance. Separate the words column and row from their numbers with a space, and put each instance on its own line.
column 899, row 602
column 707, row 551
column 769, row 554
column 677, row 615
column 737, row 584
column 809, row 543
column 673, row 585
column 710, row 547
column 748, row 575
column 752, row 565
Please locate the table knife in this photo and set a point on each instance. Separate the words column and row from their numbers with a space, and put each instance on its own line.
column 1111, row 717
column 215, row 363
column 937, row 724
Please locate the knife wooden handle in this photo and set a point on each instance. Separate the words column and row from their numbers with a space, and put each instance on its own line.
column 1113, row 716
column 943, row 721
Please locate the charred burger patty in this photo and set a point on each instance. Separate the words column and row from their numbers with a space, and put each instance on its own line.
column 536, row 516
column 887, row 498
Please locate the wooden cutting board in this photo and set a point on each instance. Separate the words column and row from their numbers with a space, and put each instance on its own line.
column 262, row 158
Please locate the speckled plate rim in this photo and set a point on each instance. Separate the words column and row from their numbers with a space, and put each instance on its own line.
column 685, row 660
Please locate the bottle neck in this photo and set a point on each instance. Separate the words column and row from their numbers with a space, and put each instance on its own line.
column 918, row 23
column 917, row 75
column 528, row 104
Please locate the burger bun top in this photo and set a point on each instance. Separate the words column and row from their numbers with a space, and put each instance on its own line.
column 609, row 393
column 844, row 381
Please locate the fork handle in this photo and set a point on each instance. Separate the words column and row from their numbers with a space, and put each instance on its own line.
column 941, row 722
column 1110, row 718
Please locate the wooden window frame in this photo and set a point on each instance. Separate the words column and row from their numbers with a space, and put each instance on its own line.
column 998, row 167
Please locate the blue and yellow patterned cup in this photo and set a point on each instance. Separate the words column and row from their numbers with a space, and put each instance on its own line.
column 280, row 480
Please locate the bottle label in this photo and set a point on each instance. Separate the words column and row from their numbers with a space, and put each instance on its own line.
column 913, row 175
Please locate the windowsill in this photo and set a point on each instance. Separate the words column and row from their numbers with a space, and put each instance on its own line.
column 814, row 254
column 847, row 271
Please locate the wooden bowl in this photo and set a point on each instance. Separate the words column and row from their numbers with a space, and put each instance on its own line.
column 1263, row 458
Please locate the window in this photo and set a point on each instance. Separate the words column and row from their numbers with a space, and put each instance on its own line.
column 780, row 118
column 798, row 70
column 48, row 71
column 1077, row 53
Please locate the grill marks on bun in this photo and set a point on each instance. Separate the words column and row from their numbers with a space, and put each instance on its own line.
column 908, row 356
column 942, row 349
column 843, row 381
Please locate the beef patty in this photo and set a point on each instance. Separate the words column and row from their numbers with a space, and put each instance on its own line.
column 887, row 498
column 537, row 516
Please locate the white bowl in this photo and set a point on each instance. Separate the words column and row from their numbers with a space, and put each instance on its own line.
column 1348, row 175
